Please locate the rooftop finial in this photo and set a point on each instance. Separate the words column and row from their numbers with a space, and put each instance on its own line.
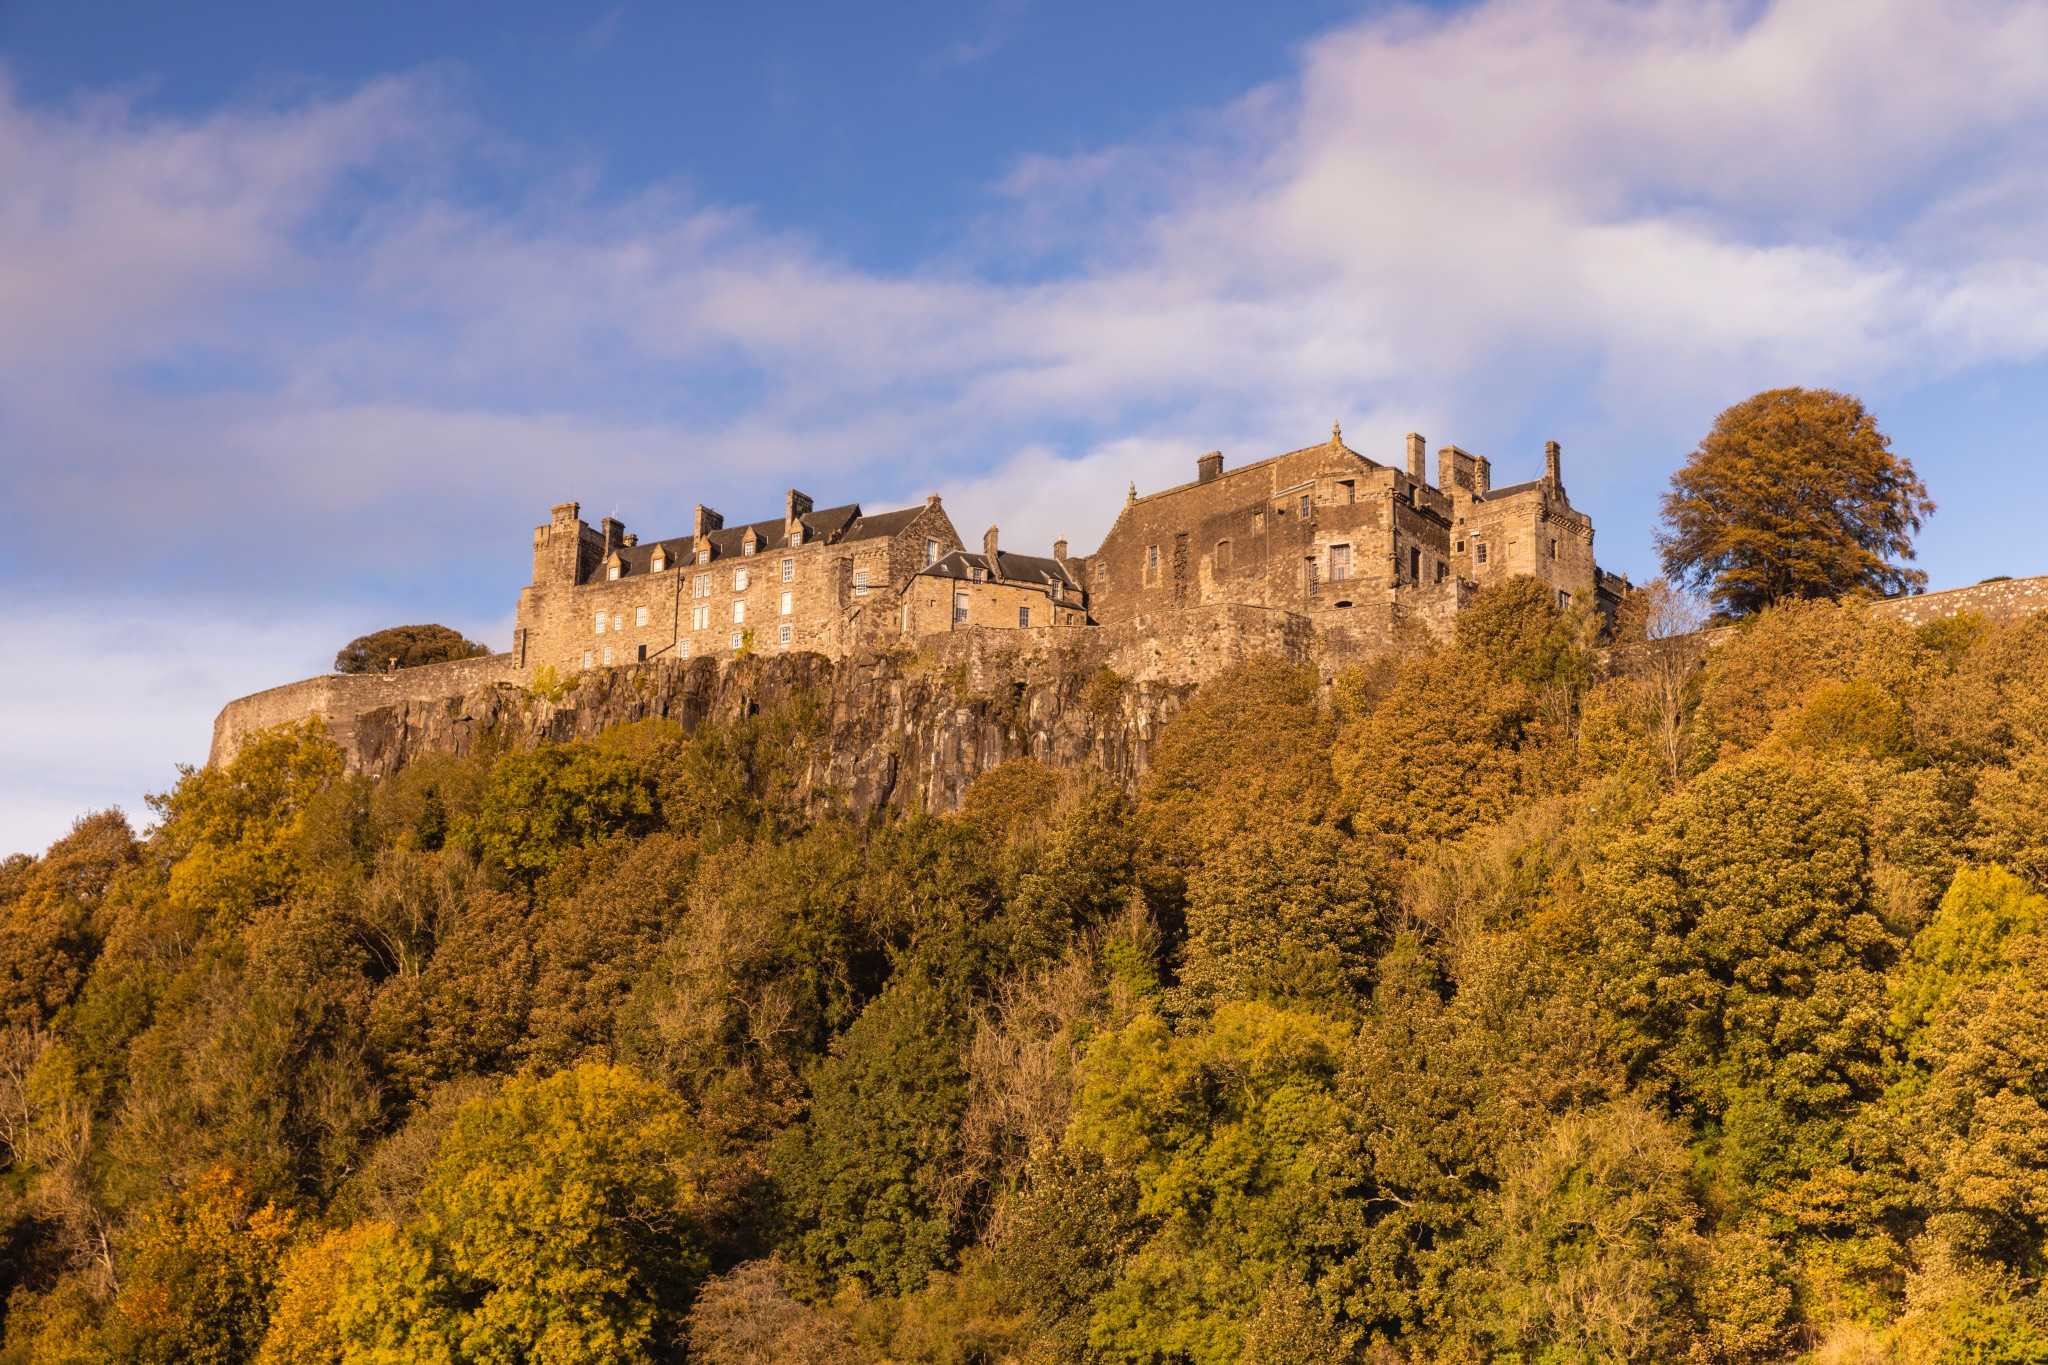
column 1132, row 496
column 1336, row 433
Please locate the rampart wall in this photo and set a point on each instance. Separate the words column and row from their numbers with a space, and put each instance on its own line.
column 2004, row 599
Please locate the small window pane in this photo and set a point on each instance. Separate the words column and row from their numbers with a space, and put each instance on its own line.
column 788, row 603
column 1024, row 618
column 639, row 616
column 739, row 613
column 789, row 570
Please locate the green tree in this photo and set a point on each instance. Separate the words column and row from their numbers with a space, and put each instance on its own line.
column 409, row 645
column 1793, row 493
column 1737, row 938
column 1230, row 1134
column 557, row 1226
column 536, row 806
column 865, row 1175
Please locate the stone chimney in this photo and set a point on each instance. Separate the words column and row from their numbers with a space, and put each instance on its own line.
column 629, row 540
column 931, row 500
column 795, row 507
column 1208, row 467
column 707, row 521
column 1415, row 449
column 1059, row 550
column 988, row 552
column 614, row 533
column 1553, row 466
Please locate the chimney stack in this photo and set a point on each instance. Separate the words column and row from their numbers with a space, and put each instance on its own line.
column 1059, row 550
column 1208, row 467
column 1415, row 449
column 629, row 540
column 988, row 552
column 614, row 533
column 706, row 522
column 1553, row 466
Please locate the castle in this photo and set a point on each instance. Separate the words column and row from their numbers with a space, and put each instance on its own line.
column 1354, row 548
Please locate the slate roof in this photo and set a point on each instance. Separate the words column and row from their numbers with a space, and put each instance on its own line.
column 833, row 525
column 1030, row 570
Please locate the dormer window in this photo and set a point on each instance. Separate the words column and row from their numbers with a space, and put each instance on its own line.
column 611, row 570
column 796, row 534
column 659, row 562
column 976, row 573
column 748, row 547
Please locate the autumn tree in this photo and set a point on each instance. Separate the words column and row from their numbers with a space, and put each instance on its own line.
column 405, row 647
column 557, row 1225
column 1794, row 493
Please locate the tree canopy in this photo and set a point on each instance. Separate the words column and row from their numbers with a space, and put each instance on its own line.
column 409, row 645
column 1794, row 493
column 1506, row 1005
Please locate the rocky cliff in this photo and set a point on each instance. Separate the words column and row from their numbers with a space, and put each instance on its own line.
column 914, row 726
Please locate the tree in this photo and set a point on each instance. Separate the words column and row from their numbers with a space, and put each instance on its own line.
column 558, row 1225
column 865, row 1174
column 409, row 645
column 1794, row 493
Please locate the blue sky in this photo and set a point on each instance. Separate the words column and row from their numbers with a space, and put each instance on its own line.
column 307, row 314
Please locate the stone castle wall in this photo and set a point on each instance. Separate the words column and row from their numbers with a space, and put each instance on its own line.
column 342, row 699
column 2006, row 599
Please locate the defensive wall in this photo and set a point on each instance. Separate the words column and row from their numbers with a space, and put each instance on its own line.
column 2002, row 599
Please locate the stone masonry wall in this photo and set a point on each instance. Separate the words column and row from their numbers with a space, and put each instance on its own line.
column 2007, row 599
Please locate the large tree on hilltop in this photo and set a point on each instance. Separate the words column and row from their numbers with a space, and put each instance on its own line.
column 409, row 645
column 1794, row 493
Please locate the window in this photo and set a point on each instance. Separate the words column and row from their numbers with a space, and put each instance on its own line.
column 860, row 582
column 931, row 553
column 703, row 556
column 1259, row 522
column 1461, row 547
column 700, row 618
column 1151, row 563
column 607, row 656
column 618, row 621
column 788, row 603
column 683, row 648
column 1478, row 552
column 586, row 658
column 783, row 635
column 612, row 571
column 906, row 618
column 601, row 618
column 739, row 580
column 643, row 654
column 959, row 606
column 1350, row 490
column 789, row 571
column 1305, row 505
column 739, row 637
column 1222, row 557
column 1553, row 549
column 1441, row 569
column 701, row 585
column 1414, row 565
column 748, row 548
column 1023, row 618
column 977, row 573
column 658, row 563
column 639, row 616
column 1340, row 563
column 1564, row 599
column 739, row 613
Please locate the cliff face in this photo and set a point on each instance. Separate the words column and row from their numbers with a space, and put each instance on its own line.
column 911, row 727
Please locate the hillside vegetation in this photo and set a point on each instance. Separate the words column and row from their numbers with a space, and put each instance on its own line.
column 1490, row 1005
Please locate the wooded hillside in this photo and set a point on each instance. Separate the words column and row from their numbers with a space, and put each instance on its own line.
column 1500, row 1006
